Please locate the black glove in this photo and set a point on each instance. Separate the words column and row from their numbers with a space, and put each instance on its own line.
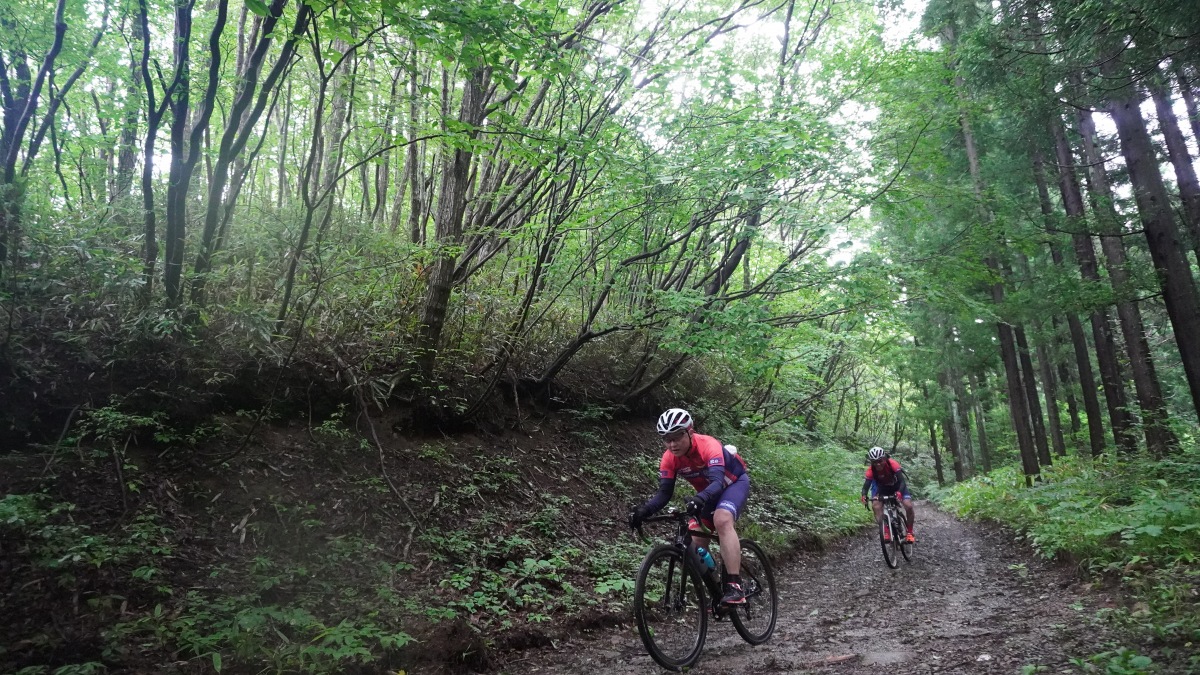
column 694, row 505
column 636, row 516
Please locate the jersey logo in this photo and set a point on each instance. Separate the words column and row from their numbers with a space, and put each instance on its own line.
column 715, row 461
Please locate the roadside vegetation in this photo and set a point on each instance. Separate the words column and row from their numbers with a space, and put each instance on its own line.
column 1129, row 522
column 302, row 556
column 330, row 332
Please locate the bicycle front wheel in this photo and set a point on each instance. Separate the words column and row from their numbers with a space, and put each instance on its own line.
column 887, row 541
column 670, row 609
column 755, row 620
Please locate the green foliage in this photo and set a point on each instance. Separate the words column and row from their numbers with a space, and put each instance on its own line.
column 1133, row 518
column 1121, row 661
column 47, row 532
column 287, row 638
column 817, row 486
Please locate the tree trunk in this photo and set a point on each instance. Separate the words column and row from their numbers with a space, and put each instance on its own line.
column 1050, row 388
column 20, row 105
column 456, row 175
column 1018, row 405
column 1091, row 403
column 960, row 409
column 284, row 123
column 1031, row 394
column 419, row 195
column 950, row 430
column 187, row 143
column 1085, row 257
column 239, row 126
column 1185, row 172
column 937, row 456
column 1154, row 208
column 1189, row 100
column 127, row 145
column 1155, row 423
column 985, row 453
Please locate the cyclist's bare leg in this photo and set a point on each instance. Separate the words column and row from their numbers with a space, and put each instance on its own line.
column 877, row 506
column 731, row 545
column 909, row 515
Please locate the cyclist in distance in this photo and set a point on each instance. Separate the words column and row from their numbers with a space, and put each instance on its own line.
column 884, row 477
column 722, row 485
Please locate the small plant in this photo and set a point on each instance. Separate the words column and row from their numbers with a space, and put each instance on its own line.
column 1121, row 661
column 334, row 428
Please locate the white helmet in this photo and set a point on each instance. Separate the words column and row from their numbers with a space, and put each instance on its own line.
column 674, row 420
column 875, row 454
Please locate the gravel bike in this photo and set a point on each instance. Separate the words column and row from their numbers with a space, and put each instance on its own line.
column 892, row 532
column 676, row 592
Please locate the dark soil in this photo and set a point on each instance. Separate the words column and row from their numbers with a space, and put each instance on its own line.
column 970, row 602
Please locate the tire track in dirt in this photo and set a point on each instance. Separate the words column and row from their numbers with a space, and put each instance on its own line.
column 969, row 602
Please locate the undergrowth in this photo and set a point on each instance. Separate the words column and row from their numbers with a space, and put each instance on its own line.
column 1135, row 519
column 300, row 561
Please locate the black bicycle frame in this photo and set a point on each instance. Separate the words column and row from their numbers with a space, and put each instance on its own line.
column 683, row 542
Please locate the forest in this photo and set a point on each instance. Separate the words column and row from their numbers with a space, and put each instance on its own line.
column 333, row 332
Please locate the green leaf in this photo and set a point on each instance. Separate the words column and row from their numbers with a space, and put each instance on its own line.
column 260, row 8
column 216, row 659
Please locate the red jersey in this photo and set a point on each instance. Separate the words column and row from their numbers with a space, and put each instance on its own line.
column 706, row 452
column 887, row 476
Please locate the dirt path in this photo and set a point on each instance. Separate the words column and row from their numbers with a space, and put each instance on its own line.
column 966, row 604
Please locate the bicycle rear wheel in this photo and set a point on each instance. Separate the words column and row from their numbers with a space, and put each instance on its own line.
column 755, row 620
column 670, row 609
column 887, row 541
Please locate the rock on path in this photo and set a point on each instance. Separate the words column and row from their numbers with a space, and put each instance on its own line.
column 969, row 602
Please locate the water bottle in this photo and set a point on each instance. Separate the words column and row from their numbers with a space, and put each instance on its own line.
column 706, row 557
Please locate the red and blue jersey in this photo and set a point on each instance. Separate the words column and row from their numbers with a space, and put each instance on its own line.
column 706, row 453
column 886, row 477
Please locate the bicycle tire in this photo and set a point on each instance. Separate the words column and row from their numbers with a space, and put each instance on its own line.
column 897, row 539
column 755, row 620
column 905, row 545
column 671, row 609
column 889, row 554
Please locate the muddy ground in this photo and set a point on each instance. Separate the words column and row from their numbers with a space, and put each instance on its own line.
column 971, row 601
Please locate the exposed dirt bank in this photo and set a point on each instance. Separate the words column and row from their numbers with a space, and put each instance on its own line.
column 970, row 602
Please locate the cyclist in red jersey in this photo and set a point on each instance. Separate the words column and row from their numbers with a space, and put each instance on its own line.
column 885, row 476
column 722, row 483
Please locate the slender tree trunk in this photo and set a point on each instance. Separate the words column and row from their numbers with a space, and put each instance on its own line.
column 419, row 195
column 962, row 417
column 383, row 170
column 187, row 144
column 1085, row 257
column 1018, row 405
column 127, row 145
column 1050, row 387
column 456, row 175
column 1158, row 223
column 985, row 453
column 1031, row 394
column 1181, row 161
column 950, row 425
column 239, row 126
column 1064, row 378
column 1155, row 423
column 1091, row 404
column 1189, row 100
column 937, row 456
column 20, row 104
column 284, row 124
